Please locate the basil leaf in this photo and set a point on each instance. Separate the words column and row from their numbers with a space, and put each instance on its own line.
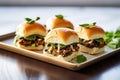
column 59, row 16
column 113, row 39
column 81, row 58
column 40, row 36
column 33, row 37
column 37, row 18
column 30, row 21
column 117, row 32
column 62, row 46
column 109, row 34
column 99, row 40
column 88, row 25
column 94, row 23
column 115, row 43
column 84, row 25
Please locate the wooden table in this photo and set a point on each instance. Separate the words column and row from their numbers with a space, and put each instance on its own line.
column 18, row 67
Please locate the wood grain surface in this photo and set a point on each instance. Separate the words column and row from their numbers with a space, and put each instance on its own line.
column 17, row 67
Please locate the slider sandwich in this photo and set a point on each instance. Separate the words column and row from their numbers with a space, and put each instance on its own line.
column 30, row 35
column 58, row 21
column 91, row 38
column 62, row 44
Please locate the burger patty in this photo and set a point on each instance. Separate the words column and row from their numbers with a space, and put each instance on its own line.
column 92, row 43
column 25, row 42
column 63, row 51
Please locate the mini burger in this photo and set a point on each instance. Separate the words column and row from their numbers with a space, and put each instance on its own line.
column 91, row 38
column 58, row 22
column 62, row 44
column 30, row 35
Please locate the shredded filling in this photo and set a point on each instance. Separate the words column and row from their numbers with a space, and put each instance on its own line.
column 35, row 43
column 99, row 43
column 60, row 49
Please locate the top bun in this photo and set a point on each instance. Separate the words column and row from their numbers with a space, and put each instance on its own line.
column 93, row 32
column 58, row 23
column 26, row 29
column 62, row 35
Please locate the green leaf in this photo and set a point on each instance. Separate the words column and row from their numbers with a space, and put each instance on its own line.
column 84, row 25
column 107, row 39
column 94, row 23
column 28, row 19
column 37, row 18
column 113, row 38
column 52, row 44
column 62, row 46
column 117, row 32
column 81, row 58
column 99, row 40
column 115, row 43
column 109, row 34
column 59, row 16
column 33, row 37
column 88, row 25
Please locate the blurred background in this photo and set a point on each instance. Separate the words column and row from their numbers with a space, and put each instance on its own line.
column 60, row 2
column 105, row 12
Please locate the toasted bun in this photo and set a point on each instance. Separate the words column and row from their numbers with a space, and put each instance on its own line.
column 59, row 57
column 28, row 47
column 26, row 29
column 90, row 33
column 58, row 23
column 62, row 35
column 91, row 50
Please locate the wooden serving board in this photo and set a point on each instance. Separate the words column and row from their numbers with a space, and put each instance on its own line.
column 6, row 42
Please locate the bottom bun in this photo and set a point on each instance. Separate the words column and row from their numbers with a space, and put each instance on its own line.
column 91, row 50
column 40, row 47
column 60, row 57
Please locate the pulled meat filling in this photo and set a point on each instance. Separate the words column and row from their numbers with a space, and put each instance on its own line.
column 37, row 42
column 65, row 51
column 92, row 43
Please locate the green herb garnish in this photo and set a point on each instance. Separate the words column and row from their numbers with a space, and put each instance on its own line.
column 62, row 46
column 88, row 25
column 99, row 40
column 33, row 37
column 59, row 16
column 81, row 58
column 29, row 20
column 113, row 38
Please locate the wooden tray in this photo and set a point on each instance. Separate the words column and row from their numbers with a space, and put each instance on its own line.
column 6, row 42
